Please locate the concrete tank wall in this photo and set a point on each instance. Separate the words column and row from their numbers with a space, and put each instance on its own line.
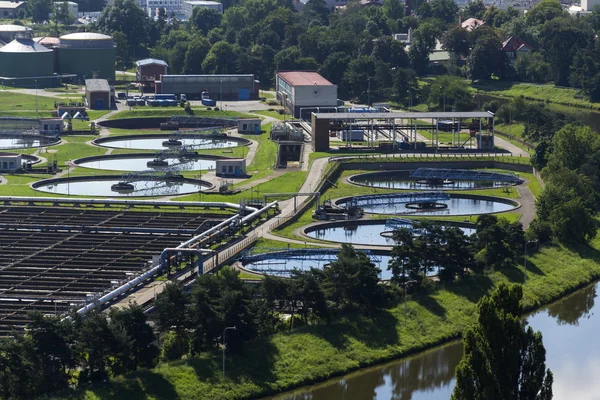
column 84, row 62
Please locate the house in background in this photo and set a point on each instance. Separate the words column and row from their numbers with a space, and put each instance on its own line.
column 513, row 46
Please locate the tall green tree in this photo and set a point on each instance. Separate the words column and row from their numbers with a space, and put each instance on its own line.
column 502, row 360
column 205, row 19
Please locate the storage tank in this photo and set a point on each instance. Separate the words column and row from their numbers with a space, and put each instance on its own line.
column 9, row 32
column 87, row 55
column 24, row 58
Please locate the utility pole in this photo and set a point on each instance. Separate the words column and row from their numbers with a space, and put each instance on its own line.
column 369, row 93
column 225, row 330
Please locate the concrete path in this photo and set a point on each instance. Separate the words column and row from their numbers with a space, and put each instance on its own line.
column 527, row 205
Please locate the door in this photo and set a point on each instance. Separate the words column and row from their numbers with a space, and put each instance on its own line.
column 243, row 94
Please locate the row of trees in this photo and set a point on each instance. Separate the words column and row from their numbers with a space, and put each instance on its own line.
column 495, row 244
column 54, row 353
column 196, row 322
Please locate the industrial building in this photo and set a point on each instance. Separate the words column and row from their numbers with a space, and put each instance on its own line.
column 231, row 167
column 97, row 94
column 51, row 126
column 170, row 7
column 86, row 55
column 189, row 5
column 24, row 62
column 249, row 125
column 149, row 70
column 72, row 8
column 303, row 89
column 9, row 32
column 10, row 162
column 9, row 9
column 220, row 87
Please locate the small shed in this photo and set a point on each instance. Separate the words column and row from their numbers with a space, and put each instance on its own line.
column 150, row 69
column 51, row 126
column 10, row 162
column 249, row 125
column 97, row 93
column 231, row 167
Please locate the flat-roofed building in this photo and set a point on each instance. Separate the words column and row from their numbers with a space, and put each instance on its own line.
column 9, row 9
column 97, row 93
column 189, row 5
column 304, row 89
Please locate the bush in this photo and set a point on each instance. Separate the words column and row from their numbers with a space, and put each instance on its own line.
column 216, row 108
column 175, row 346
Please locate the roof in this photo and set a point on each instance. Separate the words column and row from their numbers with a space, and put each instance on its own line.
column 71, row 3
column 9, row 154
column 472, row 23
column 514, row 43
column 405, row 115
column 12, row 28
column 438, row 56
column 202, row 2
column 149, row 61
column 46, row 40
column 11, row 4
column 97, row 85
column 304, row 78
column 85, row 36
column 24, row 45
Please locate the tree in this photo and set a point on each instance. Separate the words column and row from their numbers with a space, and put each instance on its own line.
column 445, row 10
column 393, row 9
column 456, row 257
column 132, row 323
column 456, row 41
column 449, row 93
column 127, row 17
column 474, row 9
column 18, row 375
column 196, row 52
column 352, row 281
column 487, row 59
column 572, row 222
column 171, row 308
column 220, row 59
column 98, row 345
column 571, row 147
column 545, row 10
column 61, row 15
column 205, row 19
column 40, row 10
column 497, row 242
column 502, row 360
column 423, row 44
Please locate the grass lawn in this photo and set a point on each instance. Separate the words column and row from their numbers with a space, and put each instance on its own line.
column 272, row 114
column 11, row 102
column 314, row 353
column 141, row 112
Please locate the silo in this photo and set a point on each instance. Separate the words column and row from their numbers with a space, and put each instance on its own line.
column 87, row 55
column 9, row 32
column 24, row 58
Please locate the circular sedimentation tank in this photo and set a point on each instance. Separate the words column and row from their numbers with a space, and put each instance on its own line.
column 401, row 180
column 115, row 186
column 368, row 232
column 148, row 161
column 456, row 204
column 161, row 142
column 86, row 54
column 26, row 141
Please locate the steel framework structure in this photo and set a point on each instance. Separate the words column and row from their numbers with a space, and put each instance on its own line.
column 463, row 174
column 398, row 223
column 394, row 198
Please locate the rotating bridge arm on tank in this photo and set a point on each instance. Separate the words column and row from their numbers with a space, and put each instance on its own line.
column 395, row 198
column 463, row 174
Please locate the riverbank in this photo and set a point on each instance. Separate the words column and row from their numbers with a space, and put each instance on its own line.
column 315, row 353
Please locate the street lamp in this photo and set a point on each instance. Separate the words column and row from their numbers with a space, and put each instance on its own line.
column 221, row 95
column 36, row 101
column 369, row 93
column 225, row 330
column 525, row 259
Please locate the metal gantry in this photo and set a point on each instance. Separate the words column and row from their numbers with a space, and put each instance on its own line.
column 399, row 223
column 394, row 198
column 463, row 174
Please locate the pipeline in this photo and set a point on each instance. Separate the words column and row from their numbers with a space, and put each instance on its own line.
column 237, row 207
column 181, row 248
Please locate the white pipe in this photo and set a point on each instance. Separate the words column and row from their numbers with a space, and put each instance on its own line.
column 211, row 230
column 211, row 204
column 256, row 213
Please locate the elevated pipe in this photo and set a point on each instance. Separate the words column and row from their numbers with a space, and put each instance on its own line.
column 210, row 204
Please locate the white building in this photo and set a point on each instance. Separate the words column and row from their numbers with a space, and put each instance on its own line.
column 587, row 5
column 231, row 167
column 330, row 4
column 189, row 5
column 72, row 7
column 170, row 6
column 10, row 162
column 303, row 89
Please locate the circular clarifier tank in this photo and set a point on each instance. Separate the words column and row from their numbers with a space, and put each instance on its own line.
column 114, row 186
column 401, row 180
column 26, row 141
column 164, row 142
column 456, row 204
column 148, row 161
column 372, row 233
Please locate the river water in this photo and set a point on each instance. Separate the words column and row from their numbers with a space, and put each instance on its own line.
column 569, row 328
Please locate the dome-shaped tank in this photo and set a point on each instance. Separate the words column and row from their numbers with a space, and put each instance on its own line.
column 9, row 32
column 24, row 58
column 87, row 54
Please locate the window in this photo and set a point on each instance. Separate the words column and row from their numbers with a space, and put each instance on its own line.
column 231, row 169
column 224, row 169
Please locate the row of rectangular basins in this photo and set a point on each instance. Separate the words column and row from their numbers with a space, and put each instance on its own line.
column 67, row 271
column 70, row 216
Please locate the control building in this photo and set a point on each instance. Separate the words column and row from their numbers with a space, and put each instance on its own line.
column 303, row 89
column 220, row 87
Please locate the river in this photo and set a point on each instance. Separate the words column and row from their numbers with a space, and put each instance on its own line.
column 569, row 328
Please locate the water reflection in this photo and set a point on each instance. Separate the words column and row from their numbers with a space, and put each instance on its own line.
column 141, row 164
column 574, row 307
column 157, row 143
column 456, row 206
column 24, row 142
column 395, row 182
column 569, row 328
column 96, row 187
column 426, row 376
